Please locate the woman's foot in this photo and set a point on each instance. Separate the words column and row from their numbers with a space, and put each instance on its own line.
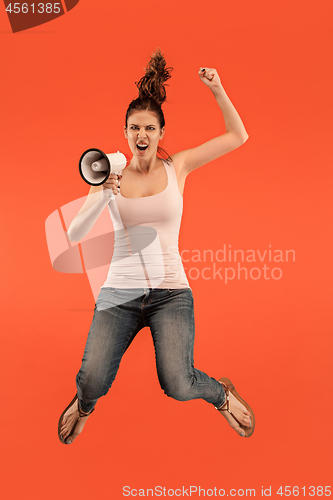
column 71, row 423
column 236, row 413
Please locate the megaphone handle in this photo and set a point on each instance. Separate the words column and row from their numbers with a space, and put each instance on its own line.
column 115, row 215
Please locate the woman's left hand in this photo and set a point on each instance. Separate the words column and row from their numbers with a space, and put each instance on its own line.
column 210, row 77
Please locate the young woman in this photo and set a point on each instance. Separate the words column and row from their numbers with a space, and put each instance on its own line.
column 146, row 284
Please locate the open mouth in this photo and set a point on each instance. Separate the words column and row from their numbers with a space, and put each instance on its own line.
column 142, row 147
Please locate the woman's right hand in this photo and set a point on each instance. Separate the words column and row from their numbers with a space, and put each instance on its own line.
column 113, row 183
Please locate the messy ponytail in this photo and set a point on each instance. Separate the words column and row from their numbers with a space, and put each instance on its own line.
column 152, row 84
column 151, row 88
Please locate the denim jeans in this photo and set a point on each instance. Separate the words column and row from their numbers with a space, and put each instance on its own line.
column 119, row 315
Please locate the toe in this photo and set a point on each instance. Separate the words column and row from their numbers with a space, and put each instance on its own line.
column 235, row 425
column 246, row 421
column 73, row 435
column 64, row 433
column 240, row 431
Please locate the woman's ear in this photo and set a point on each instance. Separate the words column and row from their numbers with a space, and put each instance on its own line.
column 162, row 133
column 125, row 132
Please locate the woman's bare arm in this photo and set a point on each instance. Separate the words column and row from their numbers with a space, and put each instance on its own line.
column 234, row 136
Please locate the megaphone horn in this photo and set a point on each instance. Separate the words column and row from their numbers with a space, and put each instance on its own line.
column 96, row 166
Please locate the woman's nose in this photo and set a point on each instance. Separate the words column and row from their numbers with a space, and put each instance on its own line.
column 142, row 133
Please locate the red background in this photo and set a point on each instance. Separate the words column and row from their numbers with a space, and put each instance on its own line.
column 65, row 87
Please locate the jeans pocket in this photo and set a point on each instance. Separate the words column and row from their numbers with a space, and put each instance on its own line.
column 181, row 293
column 105, row 299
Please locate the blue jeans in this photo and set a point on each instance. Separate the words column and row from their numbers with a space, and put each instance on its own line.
column 119, row 315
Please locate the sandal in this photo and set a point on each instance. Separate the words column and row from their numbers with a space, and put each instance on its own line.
column 229, row 387
column 81, row 414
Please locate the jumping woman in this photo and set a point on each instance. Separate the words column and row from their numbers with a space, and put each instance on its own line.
column 148, row 286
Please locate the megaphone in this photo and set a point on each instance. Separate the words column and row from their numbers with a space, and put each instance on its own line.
column 96, row 166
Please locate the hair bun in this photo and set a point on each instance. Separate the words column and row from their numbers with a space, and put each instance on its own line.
column 152, row 84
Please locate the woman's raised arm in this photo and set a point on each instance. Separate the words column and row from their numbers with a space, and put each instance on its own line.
column 234, row 136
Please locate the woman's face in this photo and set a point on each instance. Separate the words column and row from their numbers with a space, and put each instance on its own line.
column 143, row 133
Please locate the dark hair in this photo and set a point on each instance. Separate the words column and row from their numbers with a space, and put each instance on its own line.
column 151, row 89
